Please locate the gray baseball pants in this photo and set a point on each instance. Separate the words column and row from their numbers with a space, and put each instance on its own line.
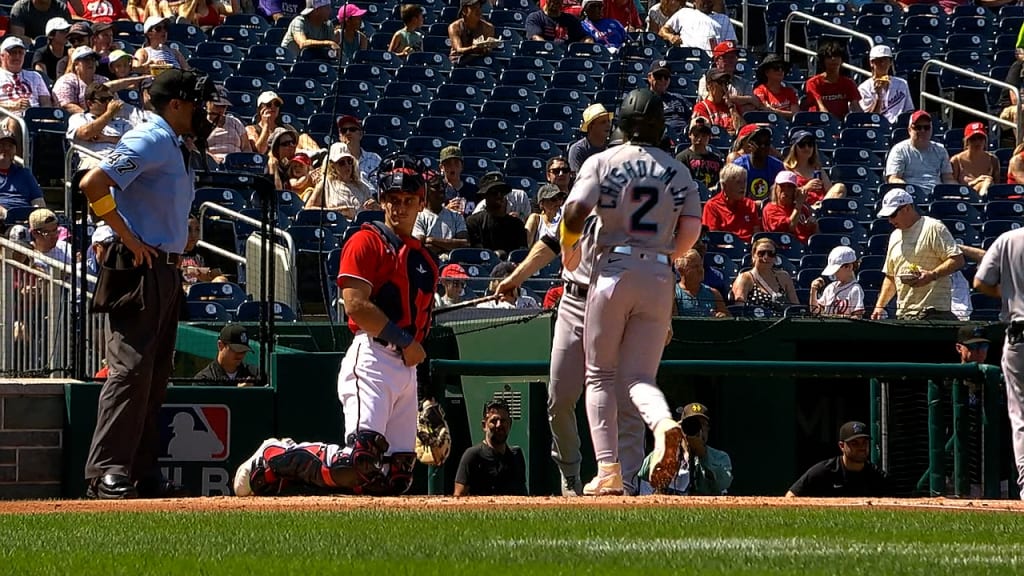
column 1013, row 373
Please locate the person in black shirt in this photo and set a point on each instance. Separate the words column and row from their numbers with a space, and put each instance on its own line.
column 702, row 161
column 45, row 59
column 494, row 228
column 492, row 467
column 847, row 475
column 550, row 24
column 232, row 346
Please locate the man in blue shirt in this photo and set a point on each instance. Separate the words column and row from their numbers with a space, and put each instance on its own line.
column 143, row 190
column 18, row 187
column 606, row 31
column 762, row 167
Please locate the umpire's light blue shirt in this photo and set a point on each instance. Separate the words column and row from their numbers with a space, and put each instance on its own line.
column 154, row 188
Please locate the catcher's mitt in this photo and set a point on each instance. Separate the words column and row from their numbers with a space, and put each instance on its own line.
column 433, row 442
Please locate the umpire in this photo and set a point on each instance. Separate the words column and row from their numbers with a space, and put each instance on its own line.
column 143, row 190
column 1001, row 275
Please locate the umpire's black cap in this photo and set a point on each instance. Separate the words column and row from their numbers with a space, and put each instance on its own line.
column 182, row 85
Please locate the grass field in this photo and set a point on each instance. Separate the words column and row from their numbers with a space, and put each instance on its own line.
column 573, row 540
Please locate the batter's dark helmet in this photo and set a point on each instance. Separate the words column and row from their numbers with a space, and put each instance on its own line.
column 642, row 117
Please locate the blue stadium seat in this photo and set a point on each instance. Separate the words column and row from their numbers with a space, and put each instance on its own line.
column 628, row 81
column 474, row 256
column 858, row 156
column 470, row 94
column 437, row 44
column 424, row 146
column 985, row 308
column 876, row 25
column 223, row 50
column 248, row 84
column 241, row 36
column 526, row 78
column 319, row 71
column 513, row 112
column 381, row 58
column 531, row 64
column 838, row 225
column 547, row 50
column 805, row 276
column 313, row 239
column 518, row 94
column 867, row 138
column 426, row 76
column 813, row 261
column 849, row 173
column 226, row 197
column 867, row 120
column 274, row 36
column 298, row 105
column 878, row 244
column 963, row 231
column 959, row 192
column 344, row 105
column 394, row 127
column 442, row 127
column 207, row 312
column 414, row 91
column 993, row 228
column 595, row 52
column 520, row 166
column 329, row 220
column 478, row 78
column 435, row 61
column 536, row 148
column 517, row 256
column 849, row 207
column 500, row 128
column 724, row 264
column 268, row 70
column 585, row 66
column 253, row 311
column 477, row 164
column 1006, row 192
column 786, row 244
column 824, row 243
column 871, row 279
column 371, row 73
column 227, row 294
column 953, row 209
column 556, row 131
column 564, row 112
column 245, row 162
column 918, row 42
column 187, row 34
column 457, row 110
column 358, row 88
column 727, row 243
column 508, row 19
column 215, row 69
column 307, row 87
column 1005, row 210
column 489, row 148
column 575, row 81
column 970, row 25
column 250, row 21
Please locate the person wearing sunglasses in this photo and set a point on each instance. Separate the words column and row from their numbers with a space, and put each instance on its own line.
column 350, row 131
column 763, row 285
column 156, row 55
column 761, row 165
column 342, row 189
column 283, row 146
column 100, row 126
column 803, row 160
column 559, row 173
column 918, row 160
column 788, row 211
column 772, row 90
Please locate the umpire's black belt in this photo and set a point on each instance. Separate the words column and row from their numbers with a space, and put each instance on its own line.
column 576, row 290
column 169, row 258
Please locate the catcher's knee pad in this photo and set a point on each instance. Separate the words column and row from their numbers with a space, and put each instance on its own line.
column 357, row 468
column 304, row 463
column 400, row 472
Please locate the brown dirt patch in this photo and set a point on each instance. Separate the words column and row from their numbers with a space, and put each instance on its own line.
column 447, row 503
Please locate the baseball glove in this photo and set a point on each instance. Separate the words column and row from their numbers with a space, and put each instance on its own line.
column 433, row 442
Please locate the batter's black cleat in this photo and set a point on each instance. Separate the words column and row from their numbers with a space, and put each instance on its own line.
column 160, row 487
column 111, row 487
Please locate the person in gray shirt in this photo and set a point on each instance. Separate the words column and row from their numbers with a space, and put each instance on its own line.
column 596, row 126
column 1001, row 276
column 917, row 160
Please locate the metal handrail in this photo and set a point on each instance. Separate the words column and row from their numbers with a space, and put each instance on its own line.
column 69, row 172
column 26, row 148
column 956, row 106
column 253, row 222
column 220, row 251
column 815, row 20
column 745, row 10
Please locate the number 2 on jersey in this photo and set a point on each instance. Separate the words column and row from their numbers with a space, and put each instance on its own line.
column 636, row 221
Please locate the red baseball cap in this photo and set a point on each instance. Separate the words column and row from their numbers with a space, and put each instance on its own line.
column 454, row 271
column 724, row 48
column 302, row 158
column 349, row 119
column 920, row 114
column 751, row 129
column 974, row 129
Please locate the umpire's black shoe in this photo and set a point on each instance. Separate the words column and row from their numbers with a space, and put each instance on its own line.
column 160, row 487
column 111, row 487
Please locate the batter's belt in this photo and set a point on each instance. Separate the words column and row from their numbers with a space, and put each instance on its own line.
column 641, row 253
column 1015, row 332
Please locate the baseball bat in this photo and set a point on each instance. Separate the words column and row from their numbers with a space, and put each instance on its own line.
column 466, row 304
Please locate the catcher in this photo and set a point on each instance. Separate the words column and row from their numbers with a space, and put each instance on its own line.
column 284, row 467
column 492, row 467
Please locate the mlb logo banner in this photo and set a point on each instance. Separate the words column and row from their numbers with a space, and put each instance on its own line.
column 194, row 432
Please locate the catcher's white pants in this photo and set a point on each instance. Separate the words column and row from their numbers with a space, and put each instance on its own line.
column 378, row 392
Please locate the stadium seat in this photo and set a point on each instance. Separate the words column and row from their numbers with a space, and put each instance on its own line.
column 525, row 78
column 214, row 68
column 457, row 110
column 871, row 139
column 222, row 50
column 824, row 243
column 313, row 239
column 849, row 207
column 513, row 112
column 435, row 61
column 474, row 256
column 394, row 127
column 499, row 128
column 419, row 75
column 727, row 243
column 993, row 228
column 554, row 130
column 240, row 36
column 1006, row 192
column 268, row 70
column 307, row 87
column 372, row 73
column 962, row 231
column 595, row 52
column 252, row 311
column 517, row 94
column 442, row 127
column 478, row 78
column 298, row 105
column 534, row 64
column 959, row 192
column 858, row 156
column 227, row 294
column 324, row 74
column 329, row 220
column 207, row 312
column 419, row 146
column 489, row 148
column 786, row 244
column 953, row 209
column 225, row 197
column 518, row 166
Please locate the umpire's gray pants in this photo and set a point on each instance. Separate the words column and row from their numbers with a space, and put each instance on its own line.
column 140, row 354
column 565, row 386
column 1013, row 373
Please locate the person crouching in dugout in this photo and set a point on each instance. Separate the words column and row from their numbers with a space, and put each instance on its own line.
column 387, row 281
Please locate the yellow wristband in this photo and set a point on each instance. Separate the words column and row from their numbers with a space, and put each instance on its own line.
column 104, row 205
column 568, row 238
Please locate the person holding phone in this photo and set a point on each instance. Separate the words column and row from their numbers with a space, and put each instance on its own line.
column 705, row 471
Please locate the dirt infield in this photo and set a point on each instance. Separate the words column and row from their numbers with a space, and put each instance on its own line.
column 447, row 503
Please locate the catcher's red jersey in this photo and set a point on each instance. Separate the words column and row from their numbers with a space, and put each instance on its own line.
column 402, row 274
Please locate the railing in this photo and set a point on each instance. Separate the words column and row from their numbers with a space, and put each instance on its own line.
column 877, row 373
column 69, row 170
column 213, row 207
column 26, row 144
column 925, row 96
column 36, row 302
column 804, row 17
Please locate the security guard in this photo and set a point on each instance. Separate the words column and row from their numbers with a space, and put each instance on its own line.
column 1000, row 275
column 143, row 190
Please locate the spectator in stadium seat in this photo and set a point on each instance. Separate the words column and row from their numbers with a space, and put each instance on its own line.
column 516, row 299
column 692, row 27
column 350, row 132
column 726, row 31
column 105, row 11
column 229, row 365
column 550, row 24
column 1015, row 170
column 45, row 59
column 677, row 107
column 659, row 14
column 623, row 11
column 19, row 188
column 830, row 90
column 763, row 285
column 771, row 89
column 731, row 210
column 268, row 119
column 139, row 10
column 596, row 127
column 550, row 199
column 605, row 31
column 559, row 173
column 726, row 57
column 440, row 229
column 80, row 34
column 283, row 144
column 353, row 39
column 119, row 63
column 849, row 475
column 921, row 257
column 713, row 277
column 788, row 210
column 974, row 166
column 494, row 228
column 100, row 126
column 207, row 14
column 717, row 106
column 761, row 166
column 408, row 39
column 29, row 17
column 453, row 281
column 803, row 160
column 69, row 90
column 703, row 162
column 460, row 195
column 694, row 298
column 193, row 258
column 19, row 88
column 1008, row 98
column 918, row 160
column 228, row 134
column 103, row 44
column 463, row 33
column 155, row 53
column 312, row 29
column 960, row 304
column 343, row 189
column 45, row 230
column 492, row 468
column 288, row 9
column 843, row 297
column 882, row 93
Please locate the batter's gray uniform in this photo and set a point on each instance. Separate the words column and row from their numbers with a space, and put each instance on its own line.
column 1002, row 267
column 565, row 385
column 639, row 193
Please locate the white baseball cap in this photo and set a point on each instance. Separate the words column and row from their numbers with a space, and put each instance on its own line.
column 56, row 24
column 12, row 42
column 268, row 97
column 312, row 5
column 153, row 21
column 84, row 52
column 893, row 201
column 880, row 51
column 839, row 256
column 103, row 234
column 338, row 151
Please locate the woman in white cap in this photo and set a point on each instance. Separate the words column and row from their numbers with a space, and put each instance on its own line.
column 884, row 94
column 45, row 59
column 974, row 166
column 550, row 199
column 843, row 297
column 342, row 190
column 267, row 119
column 156, row 53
